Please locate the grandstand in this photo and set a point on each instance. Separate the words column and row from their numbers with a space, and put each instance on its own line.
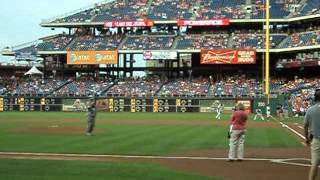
column 171, row 53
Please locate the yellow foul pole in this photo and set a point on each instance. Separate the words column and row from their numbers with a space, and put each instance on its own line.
column 267, row 58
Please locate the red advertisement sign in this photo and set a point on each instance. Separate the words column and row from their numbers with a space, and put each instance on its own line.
column 228, row 56
column 145, row 23
column 246, row 104
column 213, row 22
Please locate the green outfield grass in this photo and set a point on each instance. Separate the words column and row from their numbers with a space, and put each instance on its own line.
column 128, row 139
column 102, row 115
column 87, row 170
column 121, row 138
column 293, row 120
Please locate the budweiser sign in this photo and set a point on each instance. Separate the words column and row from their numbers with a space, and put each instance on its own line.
column 145, row 23
column 243, row 56
column 213, row 22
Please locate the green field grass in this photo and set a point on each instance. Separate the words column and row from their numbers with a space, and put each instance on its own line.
column 128, row 139
column 121, row 138
column 120, row 116
column 87, row 170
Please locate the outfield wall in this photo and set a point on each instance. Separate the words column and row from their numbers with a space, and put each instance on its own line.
column 131, row 104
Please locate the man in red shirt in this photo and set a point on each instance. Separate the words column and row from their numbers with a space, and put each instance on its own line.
column 237, row 134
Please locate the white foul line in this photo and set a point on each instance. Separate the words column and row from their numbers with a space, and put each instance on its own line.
column 292, row 130
column 279, row 161
column 125, row 156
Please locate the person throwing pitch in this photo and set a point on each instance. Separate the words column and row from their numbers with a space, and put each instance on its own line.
column 312, row 134
column 237, row 134
column 91, row 116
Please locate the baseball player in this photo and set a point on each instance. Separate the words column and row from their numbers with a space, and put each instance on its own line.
column 258, row 114
column 220, row 109
column 268, row 111
column 91, row 116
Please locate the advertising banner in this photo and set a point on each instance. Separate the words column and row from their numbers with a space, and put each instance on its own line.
column 247, row 105
column 228, row 56
column 213, row 22
column 145, row 23
column 31, row 55
column 297, row 64
column 159, row 55
column 92, row 57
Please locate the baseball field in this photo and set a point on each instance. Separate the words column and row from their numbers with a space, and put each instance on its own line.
column 146, row 146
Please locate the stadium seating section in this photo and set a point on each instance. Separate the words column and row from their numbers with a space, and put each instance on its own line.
column 190, row 9
column 148, row 42
column 231, row 86
column 237, row 39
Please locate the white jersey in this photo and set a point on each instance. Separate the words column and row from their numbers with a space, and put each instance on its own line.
column 258, row 111
column 258, row 114
column 268, row 111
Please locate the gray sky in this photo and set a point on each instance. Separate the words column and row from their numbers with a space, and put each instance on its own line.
column 20, row 19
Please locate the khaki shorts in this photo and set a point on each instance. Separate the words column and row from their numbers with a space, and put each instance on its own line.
column 315, row 152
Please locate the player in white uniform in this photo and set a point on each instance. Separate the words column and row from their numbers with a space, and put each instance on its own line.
column 268, row 111
column 258, row 114
column 220, row 109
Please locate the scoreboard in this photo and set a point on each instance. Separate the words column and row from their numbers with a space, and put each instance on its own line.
column 109, row 104
column 156, row 104
column 30, row 104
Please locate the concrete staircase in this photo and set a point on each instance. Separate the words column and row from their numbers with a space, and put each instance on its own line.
column 122, row 42
column 230, row 42
column 175, row 42
column 283, row 42
column 301, row 5
column 248, row 14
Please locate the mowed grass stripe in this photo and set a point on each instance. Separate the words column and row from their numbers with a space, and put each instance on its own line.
column 269, row 137
column 103, row 115
column 135, row 139
column 155, row 141
column 84, row 170
column 114, row 142
column 199, row 137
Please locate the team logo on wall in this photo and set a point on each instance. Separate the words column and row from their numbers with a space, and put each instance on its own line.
column 159, row 55
column 73, row 58
column 98, row 57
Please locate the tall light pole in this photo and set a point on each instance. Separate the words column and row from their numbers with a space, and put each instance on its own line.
column 267, row 58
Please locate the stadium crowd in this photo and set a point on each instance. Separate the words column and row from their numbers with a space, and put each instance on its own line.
column 148, row 42
column 203, row 41
column 310, row 37
column 90, row 42
column 300, row 90
column 186, row 87
column 228, row 86
column 147, row 86
column 234, row 86
column 115, row 10
column 189, row 9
